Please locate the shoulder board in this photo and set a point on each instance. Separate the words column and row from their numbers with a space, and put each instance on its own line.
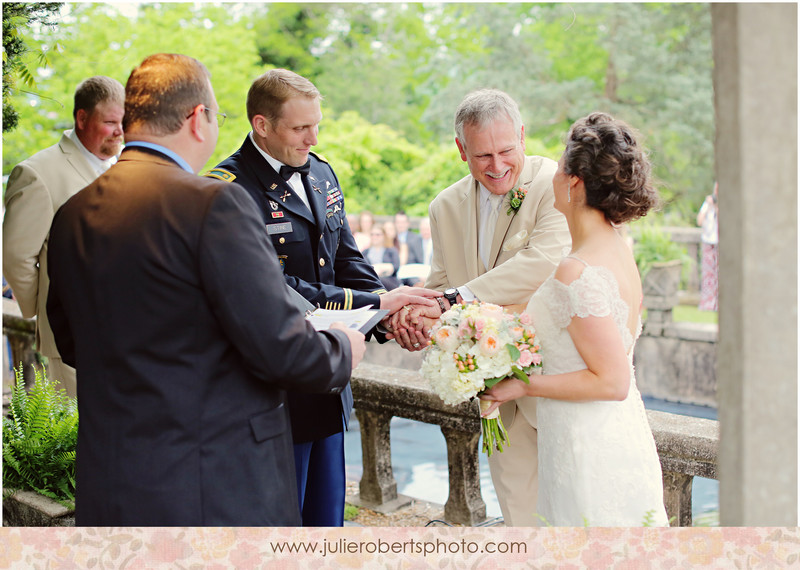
column 222, row 174
column 319, row 156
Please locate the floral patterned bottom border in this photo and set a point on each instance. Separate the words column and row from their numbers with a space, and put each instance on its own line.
column 409, row 547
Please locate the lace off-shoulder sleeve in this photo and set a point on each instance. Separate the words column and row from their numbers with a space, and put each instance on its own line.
column 591, row 294
column 594, row 293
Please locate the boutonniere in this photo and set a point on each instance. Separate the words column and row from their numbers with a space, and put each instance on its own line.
column 517, row 196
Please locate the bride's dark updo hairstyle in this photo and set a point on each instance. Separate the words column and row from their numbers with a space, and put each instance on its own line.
column 604, row 153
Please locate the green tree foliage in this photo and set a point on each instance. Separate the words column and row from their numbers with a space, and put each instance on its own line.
column 288, row 35
column 100, row 40
column 17, row 16
column 392, row 75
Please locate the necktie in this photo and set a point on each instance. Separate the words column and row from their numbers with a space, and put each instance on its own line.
column 288, row 171
column 488, row 223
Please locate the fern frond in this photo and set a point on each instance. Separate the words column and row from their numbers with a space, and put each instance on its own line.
column 39, row 439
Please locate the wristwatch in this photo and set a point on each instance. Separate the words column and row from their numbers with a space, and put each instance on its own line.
column 451, row 295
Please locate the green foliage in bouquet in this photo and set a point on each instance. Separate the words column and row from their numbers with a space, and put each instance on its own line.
column 39, row 439
column 653, row 245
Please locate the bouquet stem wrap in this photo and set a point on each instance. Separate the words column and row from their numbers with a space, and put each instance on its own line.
column 495, row 435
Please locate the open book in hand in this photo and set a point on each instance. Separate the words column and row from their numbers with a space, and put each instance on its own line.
column 363, row 319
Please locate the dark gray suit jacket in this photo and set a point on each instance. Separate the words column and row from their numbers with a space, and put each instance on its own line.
column 167, row 296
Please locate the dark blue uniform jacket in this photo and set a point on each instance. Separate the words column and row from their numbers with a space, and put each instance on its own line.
column 319, row 257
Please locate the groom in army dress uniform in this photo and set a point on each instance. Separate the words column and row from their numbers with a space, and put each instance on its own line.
column 302, row 205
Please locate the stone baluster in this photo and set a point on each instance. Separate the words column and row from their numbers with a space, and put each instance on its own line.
column 377, row 482
column 464, row 503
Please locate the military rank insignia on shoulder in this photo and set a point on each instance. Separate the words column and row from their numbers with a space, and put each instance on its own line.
column 221, row 173
column 319, row 156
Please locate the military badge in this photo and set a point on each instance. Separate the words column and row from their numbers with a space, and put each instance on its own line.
column 221, row 174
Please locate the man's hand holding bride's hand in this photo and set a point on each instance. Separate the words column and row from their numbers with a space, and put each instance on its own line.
column 396, row 299
column 502, row 392
column 411, row 326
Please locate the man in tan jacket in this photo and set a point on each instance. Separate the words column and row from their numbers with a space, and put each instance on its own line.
column 39, row 185
column 489, row 247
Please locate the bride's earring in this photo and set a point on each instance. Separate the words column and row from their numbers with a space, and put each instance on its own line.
column 569, row 198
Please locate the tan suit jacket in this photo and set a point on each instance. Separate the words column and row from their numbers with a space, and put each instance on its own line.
column 37, row 187
column 526, row 247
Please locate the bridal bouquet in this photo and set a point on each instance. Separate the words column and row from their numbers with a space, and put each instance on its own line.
column 473, row 347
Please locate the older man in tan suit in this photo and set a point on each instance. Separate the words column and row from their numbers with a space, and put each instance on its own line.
column 490, row 248
column 38, row 186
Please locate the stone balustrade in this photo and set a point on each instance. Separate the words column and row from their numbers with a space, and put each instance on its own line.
column 686, row 446
column 21, row 334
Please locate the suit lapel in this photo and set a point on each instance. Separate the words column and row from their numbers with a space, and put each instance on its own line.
column 316, row 199
column 500, row 230
column 504, row 219
column 469, row 205
column 76, row 159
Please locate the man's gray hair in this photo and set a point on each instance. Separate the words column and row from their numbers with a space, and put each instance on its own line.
column 485, row 106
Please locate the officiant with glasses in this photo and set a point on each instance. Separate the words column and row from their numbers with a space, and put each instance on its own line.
column 302, row 205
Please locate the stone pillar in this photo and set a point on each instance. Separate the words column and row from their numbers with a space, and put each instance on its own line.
column 464, row 503
column 755, row 90
column 21, row 334
column 678, row 497
column 377, row 484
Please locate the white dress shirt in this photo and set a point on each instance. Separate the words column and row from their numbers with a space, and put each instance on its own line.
column 99, row 166
column 296, row 182
column 490, row 205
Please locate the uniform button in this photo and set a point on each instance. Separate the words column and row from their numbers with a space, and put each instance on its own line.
column 321, row 236
column 282, row 240
column 321, row 262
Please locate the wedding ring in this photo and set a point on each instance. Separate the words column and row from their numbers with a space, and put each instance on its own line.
column 416, row 345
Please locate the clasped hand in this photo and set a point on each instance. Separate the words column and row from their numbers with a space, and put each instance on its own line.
column 411, row 326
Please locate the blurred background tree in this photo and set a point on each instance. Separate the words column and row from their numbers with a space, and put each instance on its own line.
column 17, row 18
column 392, row 75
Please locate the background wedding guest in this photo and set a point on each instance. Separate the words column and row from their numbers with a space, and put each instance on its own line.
column 390, row 234
column 183, row 418
column 427, row 242
column 365, row 222
column 484, row 249
column 39, row 185
column 409, row 246
column 707, row 220
column 297, row 195
column 385, row 260
column 412, row 253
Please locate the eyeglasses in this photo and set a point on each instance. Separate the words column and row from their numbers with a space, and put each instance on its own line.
column 220, row 121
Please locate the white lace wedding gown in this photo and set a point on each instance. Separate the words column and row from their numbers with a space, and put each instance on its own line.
column 598, row 463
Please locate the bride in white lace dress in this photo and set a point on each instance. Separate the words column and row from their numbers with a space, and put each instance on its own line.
column 598, row 464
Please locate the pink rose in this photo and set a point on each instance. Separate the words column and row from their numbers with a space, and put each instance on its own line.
column 525, row 358
column 525, row 318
